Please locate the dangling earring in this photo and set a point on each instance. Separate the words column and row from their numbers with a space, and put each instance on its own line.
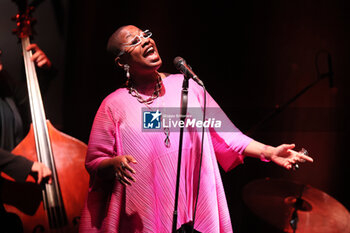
column 126, row 69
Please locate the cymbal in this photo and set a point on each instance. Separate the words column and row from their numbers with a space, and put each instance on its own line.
column 278, row 202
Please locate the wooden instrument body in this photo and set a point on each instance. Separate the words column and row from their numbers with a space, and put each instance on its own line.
column 25, row 199
column 53, row 207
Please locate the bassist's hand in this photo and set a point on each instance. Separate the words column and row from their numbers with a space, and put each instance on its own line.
column 41, row 171
column 39, row 57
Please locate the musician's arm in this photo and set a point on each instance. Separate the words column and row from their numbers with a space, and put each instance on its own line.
column 17, row 167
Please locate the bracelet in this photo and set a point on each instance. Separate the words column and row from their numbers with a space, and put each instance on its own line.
column 262, row 155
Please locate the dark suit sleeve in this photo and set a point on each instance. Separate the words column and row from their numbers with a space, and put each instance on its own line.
column 16, row 166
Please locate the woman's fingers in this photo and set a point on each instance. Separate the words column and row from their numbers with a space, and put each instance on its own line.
column 129, row 176
column 288, row 146
column 301, row 156
column 125, row 171
column 305, row 158
column 122, row 179
column 296, row 158
column 286, row 157
column 130, row 159
column 125, row 178
column 127, row 167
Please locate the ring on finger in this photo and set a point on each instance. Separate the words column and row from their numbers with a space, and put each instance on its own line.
column 295, row 166
column 118, row 176
column 304, row 151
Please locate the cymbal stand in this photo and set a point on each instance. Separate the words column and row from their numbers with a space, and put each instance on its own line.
column 297, row 206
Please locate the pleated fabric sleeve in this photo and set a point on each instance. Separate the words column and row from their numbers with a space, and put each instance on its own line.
column 102, row 141
column 147, row 205
column 228, row 141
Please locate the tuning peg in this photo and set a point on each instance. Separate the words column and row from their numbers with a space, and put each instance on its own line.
column 24, row 22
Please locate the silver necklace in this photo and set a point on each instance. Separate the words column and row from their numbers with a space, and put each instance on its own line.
column 133, row 92
column 150, row 99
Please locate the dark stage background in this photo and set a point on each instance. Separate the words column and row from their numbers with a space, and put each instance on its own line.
column 252, row 56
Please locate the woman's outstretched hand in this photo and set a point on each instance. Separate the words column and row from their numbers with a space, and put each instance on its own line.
column 286, row 157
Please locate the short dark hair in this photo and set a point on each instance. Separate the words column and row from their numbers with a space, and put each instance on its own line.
column 112, row 44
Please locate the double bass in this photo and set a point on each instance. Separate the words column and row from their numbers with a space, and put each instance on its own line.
column 54, row 207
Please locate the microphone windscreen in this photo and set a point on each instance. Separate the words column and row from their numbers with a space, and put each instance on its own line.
column 178, row 61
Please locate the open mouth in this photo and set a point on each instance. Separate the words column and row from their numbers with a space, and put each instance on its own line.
column 149, row 51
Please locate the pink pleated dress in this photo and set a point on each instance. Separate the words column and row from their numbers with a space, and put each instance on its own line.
column 147, row 205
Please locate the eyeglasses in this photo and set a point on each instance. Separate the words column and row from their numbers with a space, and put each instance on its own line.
column 135, row 41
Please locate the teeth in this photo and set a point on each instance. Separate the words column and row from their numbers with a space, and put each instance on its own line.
column 150, row 49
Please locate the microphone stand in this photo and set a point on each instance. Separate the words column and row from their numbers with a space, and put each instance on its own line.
column 279, row 108
column 183, row 112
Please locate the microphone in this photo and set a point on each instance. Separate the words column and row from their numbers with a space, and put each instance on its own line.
column 330, row 71
column 186, row 70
